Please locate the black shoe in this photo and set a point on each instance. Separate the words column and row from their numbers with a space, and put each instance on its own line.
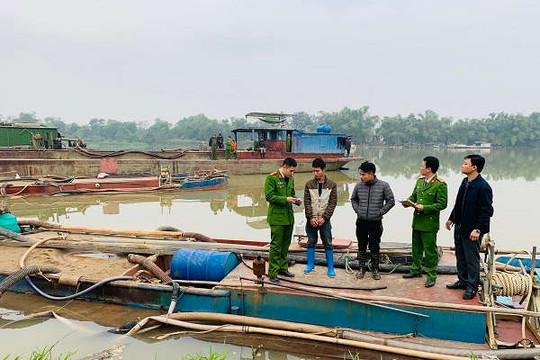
column 457, row 285
column 376, row 275
column 274, row 280
column 430, row 283
column 360, row 274
column 411, row 275
column 291, row 262
column 286, row 273
column 469, row 294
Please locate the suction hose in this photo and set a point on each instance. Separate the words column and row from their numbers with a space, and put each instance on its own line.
column 13, row 235
column 23, row 272
column 186, row 234
column 151, row 266
column 69, row 297
column 76, row 295
column 327, row 334
column 298, row 335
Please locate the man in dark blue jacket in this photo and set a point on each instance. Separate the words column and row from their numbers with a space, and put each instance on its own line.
column 470, row 217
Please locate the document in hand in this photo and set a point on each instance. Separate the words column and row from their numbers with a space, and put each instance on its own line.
column 406, row 202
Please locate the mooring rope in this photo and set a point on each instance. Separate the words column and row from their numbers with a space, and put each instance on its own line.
column 510, row 284
column 5, row 194
column 348, row 259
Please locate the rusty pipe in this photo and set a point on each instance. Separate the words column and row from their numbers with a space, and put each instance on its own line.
column 151, row 266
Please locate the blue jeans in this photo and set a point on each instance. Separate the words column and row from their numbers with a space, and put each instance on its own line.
column 326, row 234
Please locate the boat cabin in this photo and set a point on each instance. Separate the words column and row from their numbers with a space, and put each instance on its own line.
column 27, row 135
column 35, row 136
column 279, row 141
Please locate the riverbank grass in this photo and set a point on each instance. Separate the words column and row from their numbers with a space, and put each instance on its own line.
column 212, row 355
column 43, row 354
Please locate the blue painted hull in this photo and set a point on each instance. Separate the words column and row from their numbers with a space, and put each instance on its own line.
column 204, row 184
column 441, row 324
column 526, row 262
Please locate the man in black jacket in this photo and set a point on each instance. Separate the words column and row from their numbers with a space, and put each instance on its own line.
column 371, row 199
column 470, row 217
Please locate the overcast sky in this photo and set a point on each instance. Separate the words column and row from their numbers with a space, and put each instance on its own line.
column 140, row 60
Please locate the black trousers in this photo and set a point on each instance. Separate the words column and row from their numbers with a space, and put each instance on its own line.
column 467, row 259
column 369, row 233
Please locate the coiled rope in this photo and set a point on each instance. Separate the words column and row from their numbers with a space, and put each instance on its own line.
column 510, row 284
column 507, row 284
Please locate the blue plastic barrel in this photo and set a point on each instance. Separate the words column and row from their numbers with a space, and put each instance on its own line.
column 324, row 128
column 202, row 265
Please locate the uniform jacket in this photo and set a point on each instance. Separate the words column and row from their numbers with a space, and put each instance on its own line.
column 434, row 196
column 372, row 200
column 323, row 205
column 473, row 208
column 276, row 191
column 228, row 144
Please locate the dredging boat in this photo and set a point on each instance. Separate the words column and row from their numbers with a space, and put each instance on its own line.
column 201, row 284
column 104, row 183
column 26, row 154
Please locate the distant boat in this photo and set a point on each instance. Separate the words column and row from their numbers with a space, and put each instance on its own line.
column 107, row 184
column 475, row 145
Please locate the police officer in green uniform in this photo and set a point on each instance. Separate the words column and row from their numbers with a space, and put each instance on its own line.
column 429, row 197
column 279, row 192
column 228, row 147
column 213, row 143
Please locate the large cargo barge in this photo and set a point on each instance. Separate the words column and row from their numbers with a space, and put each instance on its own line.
column 36, row 159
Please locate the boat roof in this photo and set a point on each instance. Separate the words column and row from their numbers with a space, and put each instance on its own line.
column 25, row 125
column 264, row 114
column 251, row 129
column 257, row 129
column 272, row 118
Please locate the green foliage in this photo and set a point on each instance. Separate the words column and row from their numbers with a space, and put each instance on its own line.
column 355, row 356
column 355, row 122
column 26, row 118
column 213, row 355
column 43, row 354
column 302, row 120
column 415, row 129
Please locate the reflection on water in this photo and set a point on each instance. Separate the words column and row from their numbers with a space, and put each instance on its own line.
column 244, row 197
column 501, row 164
column 239, row 211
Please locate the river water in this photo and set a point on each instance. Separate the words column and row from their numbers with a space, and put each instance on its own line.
column 239, row 211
